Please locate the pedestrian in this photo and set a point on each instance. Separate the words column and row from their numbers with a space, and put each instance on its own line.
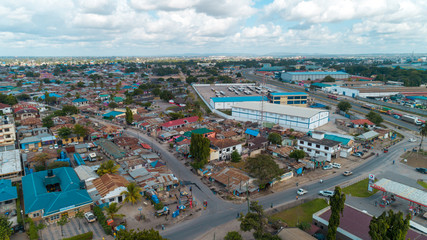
column 271, row 205
column 297, row 184
column 238, row 215
column 297, row 197
column 163, row 227
column 393, row 161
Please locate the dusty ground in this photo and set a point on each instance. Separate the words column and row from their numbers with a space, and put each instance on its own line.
column 415, row 159
column 222, row 230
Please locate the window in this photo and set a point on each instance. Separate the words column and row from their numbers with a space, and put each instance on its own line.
column 308, row 150
column 301, row 142
column 54, row 217
column 303, row 102
column 291, row 97
column 111, row 199
column 234, row 148
column 36, row 214
column 276, row 102
column 6, row 130
column 326, row 148
column 8, row 202
column 8, row 136
column 297, row 97
column 297, row 102
column 300, row 148
column 317, row 146
column 309, row 144
column 317, row 152
column 303, row 97
column 228, row 149
column 290, row 102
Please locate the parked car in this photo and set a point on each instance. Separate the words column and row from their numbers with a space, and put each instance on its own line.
column 90, row 217
column 26, row 150
column 356, row 154
column 361, row 153
column 327, row 167
column 385, row 150
column 301, row 191
column 347, row 173
column 55, row 146
column 50, row 146
column 40, row 149
column 336, row 165
column 326, row 193
column 421, row 170
column 412, row 140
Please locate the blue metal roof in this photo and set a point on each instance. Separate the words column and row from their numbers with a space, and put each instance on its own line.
column 288, row 93
column 7, row 191
column 36, row 196
column 52, row 95
column 238, row 99
column 317, row 84
column 305, row 73
column 342, row 140
column 252, row 132
column 112, row 113
column 80, row 100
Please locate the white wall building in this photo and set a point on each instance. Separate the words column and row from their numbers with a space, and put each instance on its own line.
column 298, row 118
column 317, row 146
column 303, row 76
column 229, row 102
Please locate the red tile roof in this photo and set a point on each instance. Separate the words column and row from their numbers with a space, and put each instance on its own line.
column 181, row 121
column 362, row 122
column 2, row 105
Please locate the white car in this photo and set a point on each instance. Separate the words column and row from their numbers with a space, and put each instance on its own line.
column 347, row 173
column 301, row 191
column 55, row 146
column 326, row 193
column 90, row 217
column 336, row 165
column 412, row 140
column 327, row 167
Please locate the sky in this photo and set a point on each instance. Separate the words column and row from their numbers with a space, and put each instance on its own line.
column 179, row 27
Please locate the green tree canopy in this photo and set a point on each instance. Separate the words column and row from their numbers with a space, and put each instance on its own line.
column 112, row 209
column 139, row 235
column 344, row 106
column 328, row 79
column 389, row 225
column 337, row 206
column 5, row 228
column 108, row 167
column 275, row 138
column 423, row 133
column 264, row 168
column 47, row 121
column 200, row 150
column 374, row 117
column 80, row 131
column 297, row 154
column 70, row 110
column 256, row 220
column 64, row 132
column 129, row 116
column 113, row 105
column 233, row 235
column 132, row 193
column 235, row 157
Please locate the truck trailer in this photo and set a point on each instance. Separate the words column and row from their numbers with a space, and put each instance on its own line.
column 411, row 119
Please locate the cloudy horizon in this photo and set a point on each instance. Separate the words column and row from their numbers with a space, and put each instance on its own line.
column 174, row 27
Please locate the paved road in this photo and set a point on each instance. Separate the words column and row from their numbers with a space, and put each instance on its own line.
column 220, row 212
column 319, row 95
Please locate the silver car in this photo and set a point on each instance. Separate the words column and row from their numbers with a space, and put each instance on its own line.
column 326, row 193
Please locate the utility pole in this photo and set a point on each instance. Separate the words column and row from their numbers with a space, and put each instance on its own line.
column 247, row 194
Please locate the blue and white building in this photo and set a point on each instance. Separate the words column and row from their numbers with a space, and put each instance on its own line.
column 298, row 118
column 228, row 102
column 303, row 76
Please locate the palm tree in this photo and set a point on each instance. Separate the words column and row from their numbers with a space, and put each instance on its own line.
column 108, row 167
column 423, row 133
column 132, row 193
column 112, row 210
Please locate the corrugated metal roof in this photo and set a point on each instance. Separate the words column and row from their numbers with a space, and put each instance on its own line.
column 281, row 109
column 288, row 93
column 403, row 191
column 238, row 99
column 311, row 73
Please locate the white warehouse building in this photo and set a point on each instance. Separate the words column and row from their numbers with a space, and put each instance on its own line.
column 298, row 118
column 228, row 102
column 303, row 76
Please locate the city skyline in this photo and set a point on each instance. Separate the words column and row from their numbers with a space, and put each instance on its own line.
column 181, row 27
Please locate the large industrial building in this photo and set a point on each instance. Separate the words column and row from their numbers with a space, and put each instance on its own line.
column 376, row 91
column 228, row 102
column 304, row 76
column 298, row 99
column 298, row 118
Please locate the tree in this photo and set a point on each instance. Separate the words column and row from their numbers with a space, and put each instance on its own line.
column 238, row 75
column 374, row 117
column 235, row 157
column 423, row 133
column 200, row 150
column 328, row 79
column 256, row 220
column 57, row 164
column 80, row 131
column 297, row 154
column 129, row 116
column 64, row 132
column 132, row 193
column 47, row 121
column 264, row 168
column 108, row 167
column 70, row 110
column 80, row 215
column 19, row 83
column 389, row 226
column 80, row 84
column 275, row 138
column 112, row 210
column 42, row 159
column 337, row 206
column 344, row 106
column 62, row 222
column 139, row 235
column 5, row 228
column 233, row 235
column 113, row 105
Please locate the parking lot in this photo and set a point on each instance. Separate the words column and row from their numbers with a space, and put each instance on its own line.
column 213, row 90
column 53, row 231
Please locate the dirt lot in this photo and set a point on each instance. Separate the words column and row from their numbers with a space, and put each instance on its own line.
column 415, row 159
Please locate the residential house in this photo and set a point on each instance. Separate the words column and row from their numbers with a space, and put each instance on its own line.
column 10, row 165
column 32, row 122
column 7, row 131
column 80, row 102
column 50, row 194
column 179, row 123
column 24, row 112
column 110, row 187
column 257, row 145
column 5, row 109
column 226, row 147
column 318, row 146
column 8, row 197
column 110, row 149
column 361, row 123
column 234, row 180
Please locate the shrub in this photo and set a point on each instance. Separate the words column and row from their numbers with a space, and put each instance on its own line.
column 159, row 206
column 84, row 236
column 97, row 211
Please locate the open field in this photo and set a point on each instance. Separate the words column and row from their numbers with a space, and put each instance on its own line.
column 416, row 159
column 359, row 189
column 301, row 213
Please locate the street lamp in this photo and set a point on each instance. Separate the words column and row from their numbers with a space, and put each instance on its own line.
column 140, row 213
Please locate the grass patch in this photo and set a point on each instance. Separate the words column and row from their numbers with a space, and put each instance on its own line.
column 422, row 183
column 301, row 213
column 359, row 189
column 226, row 111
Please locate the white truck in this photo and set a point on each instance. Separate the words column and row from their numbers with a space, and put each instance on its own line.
column 411, row 119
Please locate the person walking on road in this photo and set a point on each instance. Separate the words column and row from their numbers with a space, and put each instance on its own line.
column 297, row 197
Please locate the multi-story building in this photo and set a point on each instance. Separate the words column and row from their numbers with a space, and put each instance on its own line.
column 298, row 99
column 10, row 165
column 225, row 147
column 318, row 146
column 303, row 76
column 7, row 132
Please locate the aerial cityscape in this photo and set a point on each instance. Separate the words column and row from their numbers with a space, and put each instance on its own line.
column 244, row 119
